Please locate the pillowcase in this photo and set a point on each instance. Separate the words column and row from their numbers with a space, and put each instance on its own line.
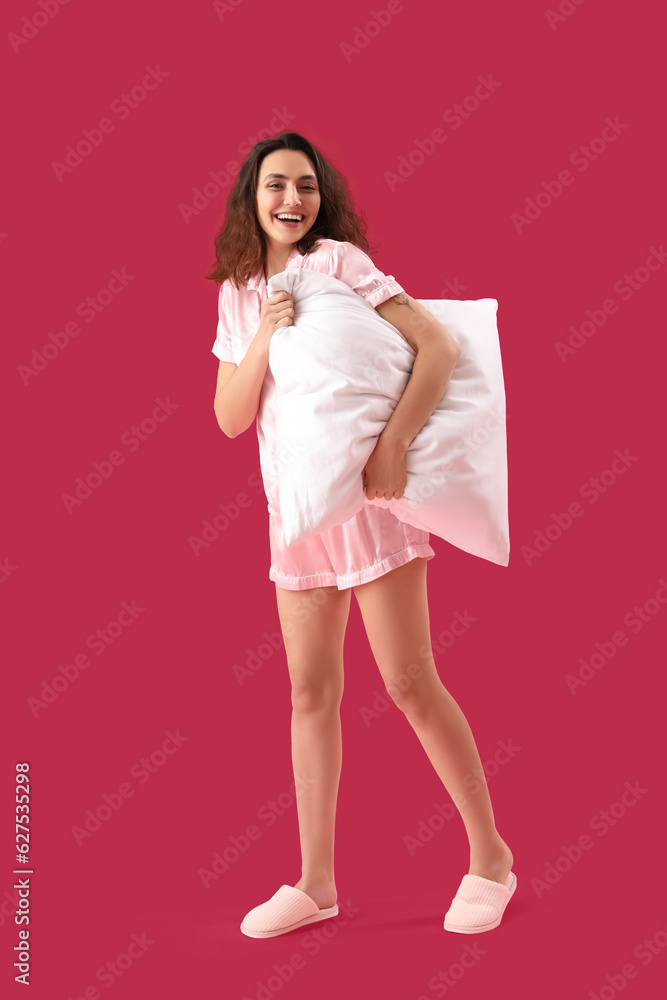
column 339, row 372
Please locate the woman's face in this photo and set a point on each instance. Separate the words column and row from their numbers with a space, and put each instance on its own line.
column 293, row 191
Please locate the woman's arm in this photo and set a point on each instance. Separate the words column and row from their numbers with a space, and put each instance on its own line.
column 239, row 387
column 437, row 354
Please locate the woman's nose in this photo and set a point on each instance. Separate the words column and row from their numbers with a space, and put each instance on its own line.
column 294, row 200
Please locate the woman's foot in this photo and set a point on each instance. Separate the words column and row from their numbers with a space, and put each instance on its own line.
column 322, row 893
column 495, row 863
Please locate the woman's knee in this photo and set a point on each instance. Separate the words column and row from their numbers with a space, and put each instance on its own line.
column 317, row 693
column 414, row 688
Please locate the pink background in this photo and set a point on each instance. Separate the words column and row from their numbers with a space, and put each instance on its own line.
column 446, row 230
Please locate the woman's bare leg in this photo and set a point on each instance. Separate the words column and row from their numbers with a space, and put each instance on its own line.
column 395, row 612
column 313, row 625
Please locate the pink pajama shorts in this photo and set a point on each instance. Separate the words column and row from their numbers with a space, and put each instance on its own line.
column 370, row 544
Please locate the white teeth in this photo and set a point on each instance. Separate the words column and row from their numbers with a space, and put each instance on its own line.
column 290, row 218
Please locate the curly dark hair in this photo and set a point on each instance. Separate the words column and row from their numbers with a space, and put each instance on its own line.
column 240, row 246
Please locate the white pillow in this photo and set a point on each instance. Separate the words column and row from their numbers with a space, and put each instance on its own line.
column 339, row 372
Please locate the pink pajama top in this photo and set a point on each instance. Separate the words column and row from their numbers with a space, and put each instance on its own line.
column 238, row 322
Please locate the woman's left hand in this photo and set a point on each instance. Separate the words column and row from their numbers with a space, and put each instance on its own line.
column 385, row 474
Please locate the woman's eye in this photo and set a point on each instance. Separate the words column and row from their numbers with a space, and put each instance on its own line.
column 309, row 187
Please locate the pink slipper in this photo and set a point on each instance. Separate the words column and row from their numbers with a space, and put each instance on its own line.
column 288, row 908
column 479, row 904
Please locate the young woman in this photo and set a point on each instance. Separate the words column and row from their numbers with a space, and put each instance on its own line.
column 290, row 208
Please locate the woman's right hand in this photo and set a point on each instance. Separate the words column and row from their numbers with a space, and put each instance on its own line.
column 277, row 311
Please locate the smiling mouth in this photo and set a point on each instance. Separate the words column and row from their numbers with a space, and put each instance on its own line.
column 289, row 222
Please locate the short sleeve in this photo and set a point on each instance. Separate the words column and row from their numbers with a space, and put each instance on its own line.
column 222, row 348
column 350, row 264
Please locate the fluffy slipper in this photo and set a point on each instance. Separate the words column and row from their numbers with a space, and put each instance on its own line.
column 479, row 904
column 287, row 909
